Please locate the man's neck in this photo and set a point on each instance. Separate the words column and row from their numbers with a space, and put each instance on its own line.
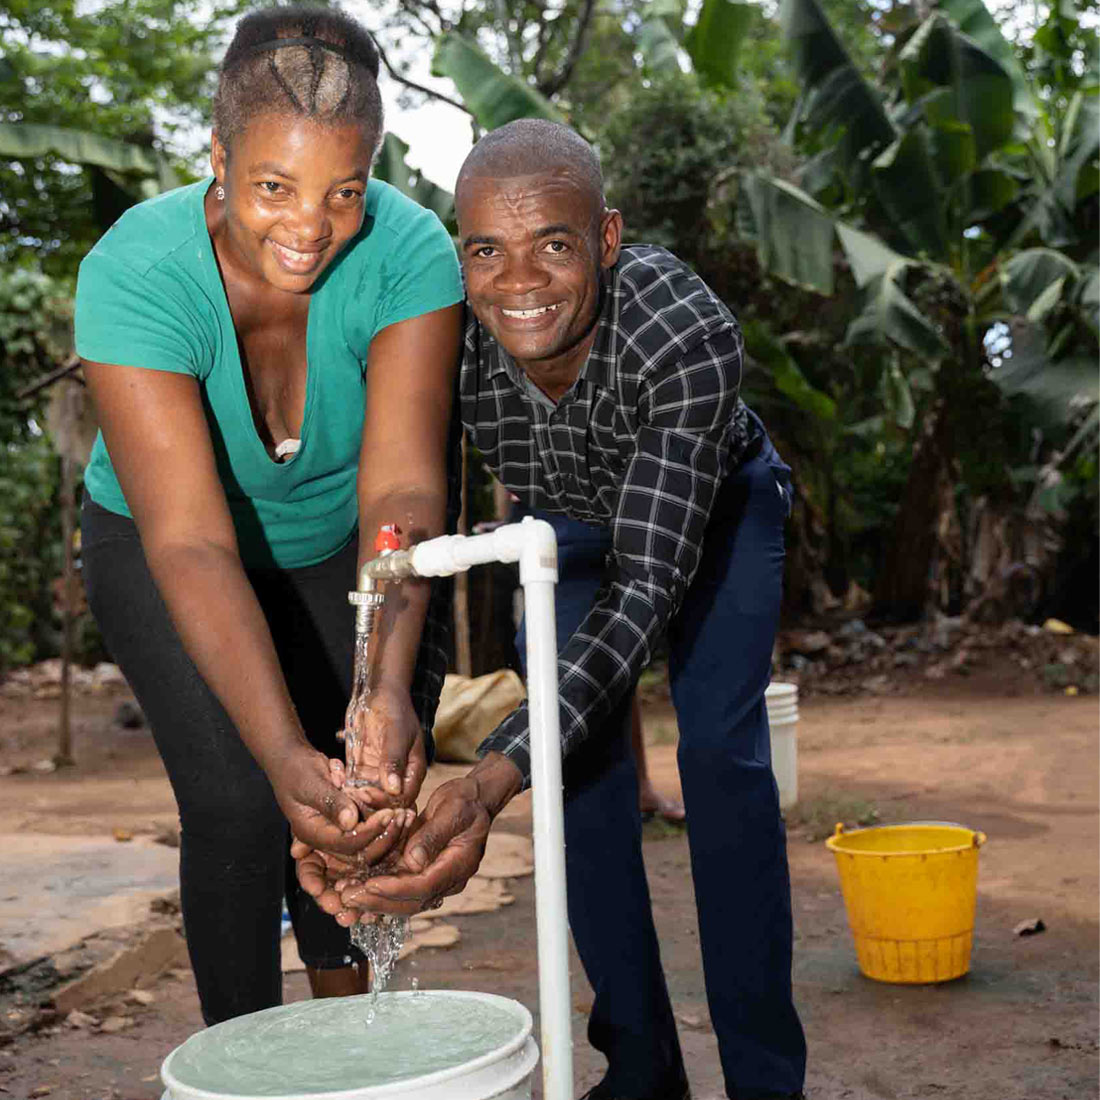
column 556, row 376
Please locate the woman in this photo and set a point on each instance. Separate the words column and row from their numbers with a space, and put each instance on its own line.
column 271, row 353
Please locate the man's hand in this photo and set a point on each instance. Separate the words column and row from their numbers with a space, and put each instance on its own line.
column 387, row 751
column 445, row 847
column 307, row 787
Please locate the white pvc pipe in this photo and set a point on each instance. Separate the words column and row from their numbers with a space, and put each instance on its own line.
column 533, row 544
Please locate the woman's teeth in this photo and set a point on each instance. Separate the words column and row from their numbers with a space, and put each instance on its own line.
column 293, row 257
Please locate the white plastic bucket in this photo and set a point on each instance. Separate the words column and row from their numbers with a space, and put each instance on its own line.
column 503, row 1073
column 781, row 701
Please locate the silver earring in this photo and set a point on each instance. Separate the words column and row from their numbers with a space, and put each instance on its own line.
column 219, row 193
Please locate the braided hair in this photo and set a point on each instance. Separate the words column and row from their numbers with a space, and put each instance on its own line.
column 327, row 70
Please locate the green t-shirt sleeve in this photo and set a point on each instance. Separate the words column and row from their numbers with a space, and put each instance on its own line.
column 133, row 318
column 421, row 273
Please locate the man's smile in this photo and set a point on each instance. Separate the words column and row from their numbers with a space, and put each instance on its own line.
column 528, row 314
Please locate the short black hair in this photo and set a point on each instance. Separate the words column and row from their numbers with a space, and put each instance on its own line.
column 331, row 85
column 529, row 146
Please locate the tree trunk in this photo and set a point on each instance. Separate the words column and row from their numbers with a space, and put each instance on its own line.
column 64, row 757
column 904, row 587
column 463, row 660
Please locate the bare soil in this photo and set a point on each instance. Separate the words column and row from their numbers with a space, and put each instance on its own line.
column 990, row 751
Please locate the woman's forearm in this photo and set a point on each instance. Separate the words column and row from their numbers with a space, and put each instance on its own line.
column 420, row 515
column 226, row 634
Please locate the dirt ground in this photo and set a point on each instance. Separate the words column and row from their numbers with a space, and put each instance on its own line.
column 990, row 752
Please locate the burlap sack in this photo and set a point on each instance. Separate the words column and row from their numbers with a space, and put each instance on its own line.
column 470, row 709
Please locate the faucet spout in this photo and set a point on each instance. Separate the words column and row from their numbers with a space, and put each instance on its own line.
column 368, row 598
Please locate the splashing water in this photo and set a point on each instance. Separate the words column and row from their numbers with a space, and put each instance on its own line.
column 381, row 942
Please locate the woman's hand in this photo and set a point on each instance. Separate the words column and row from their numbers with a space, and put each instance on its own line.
column 308, row 789
column 387, row 761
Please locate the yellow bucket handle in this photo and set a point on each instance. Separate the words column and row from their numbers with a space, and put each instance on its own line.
column 977, row 838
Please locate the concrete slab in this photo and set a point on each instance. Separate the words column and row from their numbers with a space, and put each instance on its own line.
column 54, row 890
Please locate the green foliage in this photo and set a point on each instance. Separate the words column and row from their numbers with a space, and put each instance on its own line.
column 495, row 97
column 135, row 71
column 668, row 149
column 390, row 166
column 817, row 818
column 35, row 337
column 714, row 41
column 30, row 548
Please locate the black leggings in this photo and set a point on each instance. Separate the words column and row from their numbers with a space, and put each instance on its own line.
column 235, row 867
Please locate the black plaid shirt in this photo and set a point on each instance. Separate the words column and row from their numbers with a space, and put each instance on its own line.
column 639, row 444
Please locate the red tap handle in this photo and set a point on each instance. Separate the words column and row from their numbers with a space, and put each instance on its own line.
column 388, row 538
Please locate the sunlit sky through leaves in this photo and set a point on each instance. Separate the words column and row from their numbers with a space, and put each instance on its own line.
column 439, row 135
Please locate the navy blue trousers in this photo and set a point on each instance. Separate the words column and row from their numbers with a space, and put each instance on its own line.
column 720, row 646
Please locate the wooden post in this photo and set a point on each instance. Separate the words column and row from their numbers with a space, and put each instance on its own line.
column 64, row 757
column 463, row 660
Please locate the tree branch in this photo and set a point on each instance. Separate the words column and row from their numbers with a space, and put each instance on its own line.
column 415, row 6
column 395, row 75
column 542, row 41
column 515, row 50
column 561, row 78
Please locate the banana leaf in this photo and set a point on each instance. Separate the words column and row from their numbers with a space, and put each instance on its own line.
column 766, row 352
column 1030, row 274
column 974, row 20
column 889, row 316
column 492, row 95
column 22, row 141
column 714, row 42
column 1052, row 388
column 658, row 46
column 390, row 166
column 981, row 91
column 908, row 189
column 837, row 98
column 794, row 234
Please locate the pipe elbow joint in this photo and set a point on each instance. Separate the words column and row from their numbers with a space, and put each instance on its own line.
column 538, row 555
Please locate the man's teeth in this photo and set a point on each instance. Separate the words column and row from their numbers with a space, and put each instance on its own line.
column 523, row 314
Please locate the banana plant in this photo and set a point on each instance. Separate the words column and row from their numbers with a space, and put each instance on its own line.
column 391, row 167
column 492, row 96
column 711, row 43
column 122, row 162
column 936, row 181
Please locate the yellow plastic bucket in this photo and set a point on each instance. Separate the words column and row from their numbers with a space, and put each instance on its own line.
column 910, row 892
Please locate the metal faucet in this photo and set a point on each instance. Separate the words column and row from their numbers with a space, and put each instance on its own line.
column 391, row 564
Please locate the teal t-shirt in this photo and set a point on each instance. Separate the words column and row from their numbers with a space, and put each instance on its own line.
column 150, row 295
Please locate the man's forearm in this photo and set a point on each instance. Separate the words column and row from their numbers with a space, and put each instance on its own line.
column 498, row 779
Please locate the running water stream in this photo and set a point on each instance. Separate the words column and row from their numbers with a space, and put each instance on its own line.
column 380, row 942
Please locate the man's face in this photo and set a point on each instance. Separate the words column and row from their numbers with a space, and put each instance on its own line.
column 533, row 248
column 294, row 196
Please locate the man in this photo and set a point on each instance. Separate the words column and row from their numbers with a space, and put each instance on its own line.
column 601, row 382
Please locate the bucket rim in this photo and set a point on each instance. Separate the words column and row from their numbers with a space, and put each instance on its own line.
column 833, row 843
column 437, row 1077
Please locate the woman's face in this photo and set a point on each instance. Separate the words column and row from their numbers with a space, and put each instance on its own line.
column 294, row 196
